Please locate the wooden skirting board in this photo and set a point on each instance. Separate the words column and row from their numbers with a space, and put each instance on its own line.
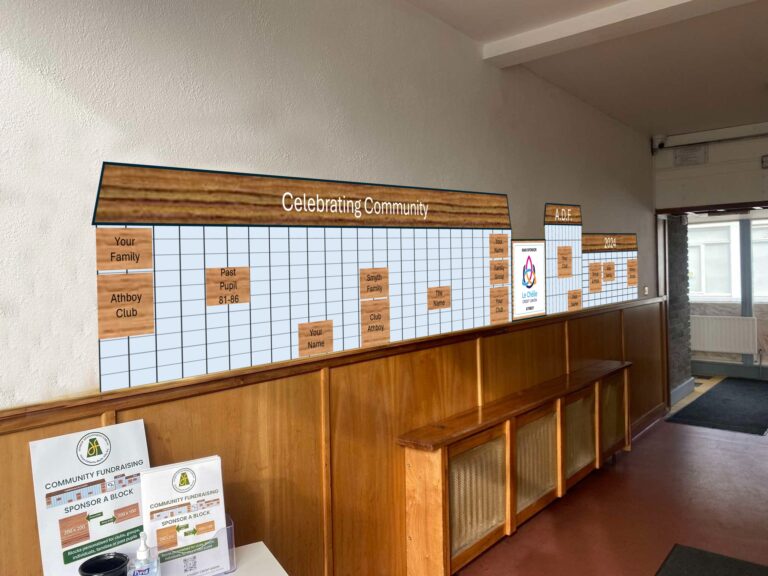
column 309, row 448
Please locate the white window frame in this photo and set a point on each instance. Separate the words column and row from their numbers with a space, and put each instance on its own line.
column 735, row 265
column 757, row 224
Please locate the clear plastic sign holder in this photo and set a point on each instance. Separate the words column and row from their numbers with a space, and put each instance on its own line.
column 226, row 534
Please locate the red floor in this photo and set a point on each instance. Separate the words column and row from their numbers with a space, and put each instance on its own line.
column 679, row 485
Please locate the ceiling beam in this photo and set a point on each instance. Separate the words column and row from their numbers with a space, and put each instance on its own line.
column 614, row 21
column 718, row 135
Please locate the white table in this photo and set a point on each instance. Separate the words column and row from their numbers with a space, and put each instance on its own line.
column 256, row 560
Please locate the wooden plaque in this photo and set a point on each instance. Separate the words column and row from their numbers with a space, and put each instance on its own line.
column 127, row 512
column 564, row 261
column 595, row 277
column 608, row 242
column 124, row 249
column 438, row 298
column 632, row 272
column 574, row 300
column 374, row 283
column 374, row 322
column 499, row 305
column 74, row 530
column 499, row 272
column 126, row 305
column 609, row 271
column 205, row 527
column 498, row 245
column 562, row 214
column 166, row 538
column 227, row 286
column 153, row 195
column 315, row 338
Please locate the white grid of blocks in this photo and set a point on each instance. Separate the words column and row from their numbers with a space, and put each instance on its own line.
column 614, row 291
column 557, row 288
column 298, row 274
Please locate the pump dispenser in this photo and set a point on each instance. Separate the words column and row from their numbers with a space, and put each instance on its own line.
column 144, row 565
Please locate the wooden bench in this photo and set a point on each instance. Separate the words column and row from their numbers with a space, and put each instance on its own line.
column 471, row 479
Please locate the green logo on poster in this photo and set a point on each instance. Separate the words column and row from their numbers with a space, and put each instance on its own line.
column 184, row 480
column 93, row 449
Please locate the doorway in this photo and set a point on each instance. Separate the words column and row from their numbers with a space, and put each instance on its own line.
column 728, row 292
column 718, row 310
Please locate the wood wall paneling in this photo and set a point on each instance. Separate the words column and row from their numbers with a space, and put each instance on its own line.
column 518, row 360
column 644, row 348
column 372, row 403
column 19, row 545
column 594, row 338
column 277, row 427
column 269, row 438
column 426, row 513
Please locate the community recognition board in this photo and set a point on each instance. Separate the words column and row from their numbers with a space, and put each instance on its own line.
column 586, row 270
column 562, row 231
column 609, row 268
column 201, row 272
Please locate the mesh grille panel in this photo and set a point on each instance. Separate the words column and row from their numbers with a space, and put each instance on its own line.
column 536, row 460
column 579, row 434
column 477, row 493
column 612, row 412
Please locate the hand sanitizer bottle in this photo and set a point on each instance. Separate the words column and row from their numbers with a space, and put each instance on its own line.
column 144, row 565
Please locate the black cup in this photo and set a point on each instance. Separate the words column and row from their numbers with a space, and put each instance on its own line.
column 109, row 564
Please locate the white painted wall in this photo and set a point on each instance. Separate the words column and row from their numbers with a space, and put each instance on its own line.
column 732, row 175
column 362, row 90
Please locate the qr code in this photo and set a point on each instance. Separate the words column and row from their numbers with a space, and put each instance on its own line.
column 190, row 564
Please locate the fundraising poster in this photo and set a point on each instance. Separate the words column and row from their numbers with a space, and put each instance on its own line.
column 528, row 282
column 183, row 510
column 87, row 494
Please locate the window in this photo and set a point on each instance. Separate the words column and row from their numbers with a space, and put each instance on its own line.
column 760, row 260
column 713, row 262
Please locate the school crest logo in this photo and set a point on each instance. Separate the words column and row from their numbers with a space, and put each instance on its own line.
column 184, row 480
column 93, row 448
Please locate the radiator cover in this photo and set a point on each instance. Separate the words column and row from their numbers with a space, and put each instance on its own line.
column 579, row 434
column 536, row 460
column 477, row 488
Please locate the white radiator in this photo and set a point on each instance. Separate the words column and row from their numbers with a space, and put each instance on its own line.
column 731, row 334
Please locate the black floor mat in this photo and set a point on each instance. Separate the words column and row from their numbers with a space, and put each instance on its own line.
column 685, row 561
column 736, row 404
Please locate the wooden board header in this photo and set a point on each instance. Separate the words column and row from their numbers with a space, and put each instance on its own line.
column 609, row 242
column 151, row 195
column 562, row 214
